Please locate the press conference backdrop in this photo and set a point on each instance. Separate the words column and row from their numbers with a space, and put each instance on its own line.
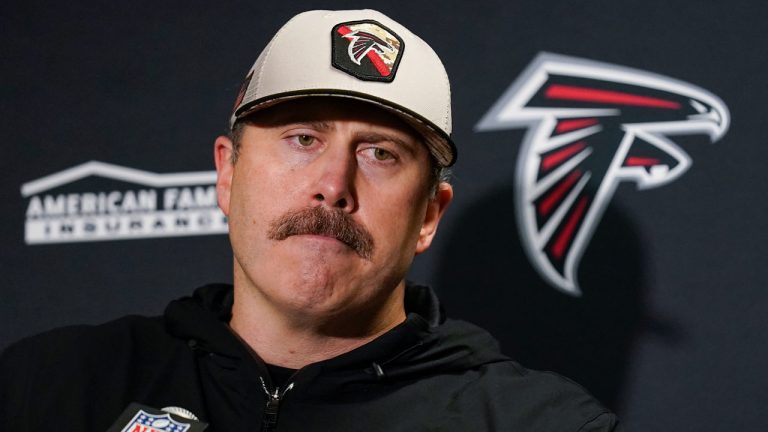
column 609, row 219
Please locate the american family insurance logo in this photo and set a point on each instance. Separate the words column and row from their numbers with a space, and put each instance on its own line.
column 97, row 201
column 591, row 126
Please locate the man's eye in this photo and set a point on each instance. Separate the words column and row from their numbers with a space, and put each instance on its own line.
column 381, row 154
column 305, row 140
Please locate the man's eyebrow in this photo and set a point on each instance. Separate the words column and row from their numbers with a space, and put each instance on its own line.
column 374, row 137
column 289, row 118
column 312, row 124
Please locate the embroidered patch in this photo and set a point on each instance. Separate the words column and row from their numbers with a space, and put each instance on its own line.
column 366, row 50
column 143, row 421
column 140, row 418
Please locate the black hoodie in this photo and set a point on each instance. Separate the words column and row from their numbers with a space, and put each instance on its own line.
column 427, row 374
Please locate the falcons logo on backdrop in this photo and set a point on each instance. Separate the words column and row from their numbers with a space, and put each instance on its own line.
column 592, row 125
column 362, row 42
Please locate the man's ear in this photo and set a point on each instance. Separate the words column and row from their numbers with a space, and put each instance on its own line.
column 435, row 210
column 222, row 154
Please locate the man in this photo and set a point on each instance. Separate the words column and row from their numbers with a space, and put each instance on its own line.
column 332, row 180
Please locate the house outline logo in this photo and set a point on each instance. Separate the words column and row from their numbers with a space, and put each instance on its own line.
column 158, row 205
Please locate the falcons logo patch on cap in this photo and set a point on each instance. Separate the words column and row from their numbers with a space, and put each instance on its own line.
column 591, row 126
column 366, row 50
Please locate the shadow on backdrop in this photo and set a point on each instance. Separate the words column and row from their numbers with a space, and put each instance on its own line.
column 485, row 277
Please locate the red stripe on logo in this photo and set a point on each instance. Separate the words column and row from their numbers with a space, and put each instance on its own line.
column 557, row 194
column 641, row 161
column 378, row 63
column 559, row 156
column 564, row 239
column 569, row 125
column 593, row 95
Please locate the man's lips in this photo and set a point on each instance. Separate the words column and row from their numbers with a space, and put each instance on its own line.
column 322, row 237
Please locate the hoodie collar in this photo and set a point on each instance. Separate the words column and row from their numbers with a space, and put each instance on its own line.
column 425, row 340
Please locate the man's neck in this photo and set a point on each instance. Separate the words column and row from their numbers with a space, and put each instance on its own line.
column 281, row 339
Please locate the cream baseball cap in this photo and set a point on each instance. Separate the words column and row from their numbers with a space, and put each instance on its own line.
column 360, row 54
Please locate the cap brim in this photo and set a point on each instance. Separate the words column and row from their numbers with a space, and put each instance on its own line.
column 439, row 143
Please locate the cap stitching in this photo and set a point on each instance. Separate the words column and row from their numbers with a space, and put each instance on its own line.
column 448, row 102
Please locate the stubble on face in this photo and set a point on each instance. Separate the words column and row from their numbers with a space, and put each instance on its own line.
column 325, row 222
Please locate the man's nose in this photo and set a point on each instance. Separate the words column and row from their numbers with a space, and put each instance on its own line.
column 336, row 180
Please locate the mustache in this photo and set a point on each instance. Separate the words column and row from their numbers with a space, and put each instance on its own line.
column 319, row 221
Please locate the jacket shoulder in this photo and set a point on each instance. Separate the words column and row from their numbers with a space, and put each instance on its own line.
column 79, row 342
column 83, row 374
column 557, row 402
column 498, row 393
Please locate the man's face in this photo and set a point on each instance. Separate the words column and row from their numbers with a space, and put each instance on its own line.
column 328, row 202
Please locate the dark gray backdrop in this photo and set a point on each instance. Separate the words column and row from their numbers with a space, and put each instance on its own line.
column 671, row 330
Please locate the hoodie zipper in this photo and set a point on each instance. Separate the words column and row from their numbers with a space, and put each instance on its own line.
column 271, row 410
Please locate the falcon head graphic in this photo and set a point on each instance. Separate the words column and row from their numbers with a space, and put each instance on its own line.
column 362, row 42
column 590, row 126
